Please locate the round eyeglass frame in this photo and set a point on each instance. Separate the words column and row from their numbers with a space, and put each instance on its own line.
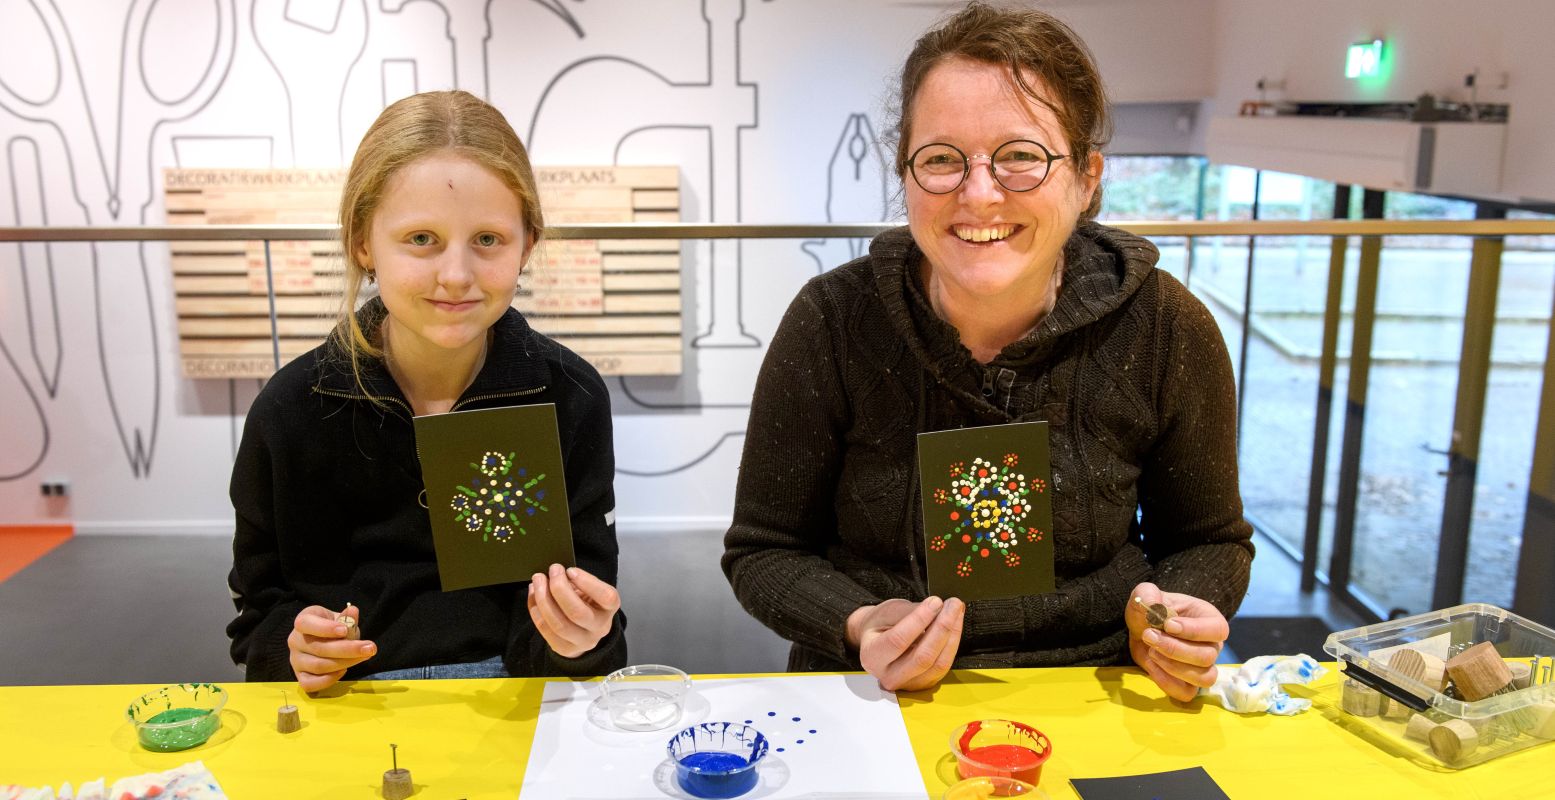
column 966, row 165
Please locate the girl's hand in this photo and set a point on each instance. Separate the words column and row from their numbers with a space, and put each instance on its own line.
column 572, row 609
column 320, row 653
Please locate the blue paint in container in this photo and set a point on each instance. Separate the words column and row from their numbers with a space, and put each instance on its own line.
column 717, row 759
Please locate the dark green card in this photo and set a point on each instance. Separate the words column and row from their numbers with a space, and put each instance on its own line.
column 496, row 494
column 987, row 511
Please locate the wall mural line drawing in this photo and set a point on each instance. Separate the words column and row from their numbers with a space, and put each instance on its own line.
column 104, row 184
column 40, row 297
column 643, row 99
column 721, row 107
column 469, row 33
column 313, row 64
column 857, row 190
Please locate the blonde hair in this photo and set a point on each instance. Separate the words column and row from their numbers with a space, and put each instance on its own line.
column 409, row 129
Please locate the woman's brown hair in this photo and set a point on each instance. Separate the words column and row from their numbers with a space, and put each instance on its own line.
column 409, row 129
column 1032, row 44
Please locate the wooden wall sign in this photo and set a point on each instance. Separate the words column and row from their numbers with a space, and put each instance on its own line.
column 615, row 302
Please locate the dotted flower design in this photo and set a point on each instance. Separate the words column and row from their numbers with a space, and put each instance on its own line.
column 987, row 514
column 497, row 498
column 941, row 496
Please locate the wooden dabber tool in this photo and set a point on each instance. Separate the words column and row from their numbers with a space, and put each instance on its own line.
column 286, row 719
column 1156, row 614
column 396, row 782
column 352, row 631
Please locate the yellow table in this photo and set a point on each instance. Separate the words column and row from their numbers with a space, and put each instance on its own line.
column 470, row 739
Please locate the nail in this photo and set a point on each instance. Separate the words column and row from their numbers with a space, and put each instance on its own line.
column 368, row 648
column 573, row 572
column 1173, row 626
column 1151, row 636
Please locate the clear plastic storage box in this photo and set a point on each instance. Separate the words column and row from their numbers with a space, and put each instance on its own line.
column 1427, row 715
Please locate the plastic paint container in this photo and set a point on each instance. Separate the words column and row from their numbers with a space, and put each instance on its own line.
column 645, row 697
column 1000, row 748
column 985, row 787
column 717, row 759
column 177, row 717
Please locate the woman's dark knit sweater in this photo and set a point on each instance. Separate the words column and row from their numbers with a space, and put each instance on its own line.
column 1130, row 372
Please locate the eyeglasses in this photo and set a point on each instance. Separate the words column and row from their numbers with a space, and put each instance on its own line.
column 1019, row 166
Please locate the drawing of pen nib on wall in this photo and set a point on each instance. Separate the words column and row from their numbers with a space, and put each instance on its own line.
column 595, row 105
column 105, row 143
column 857, row 190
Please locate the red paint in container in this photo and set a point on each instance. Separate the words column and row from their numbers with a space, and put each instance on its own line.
column 1000, row 748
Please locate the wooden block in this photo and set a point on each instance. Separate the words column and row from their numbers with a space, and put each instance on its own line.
column 1419, row 728
column 1408, row 664
column 1521, row 673
column 1435, row 671
column 1394, row 710
column 1453, row 741
column 397, row 784
column 1479, row 672
column 1360, row 700
column 286, row 719
column 1543, row 716
column 352, row 631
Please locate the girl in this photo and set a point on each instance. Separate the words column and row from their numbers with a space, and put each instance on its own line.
column 440, row 211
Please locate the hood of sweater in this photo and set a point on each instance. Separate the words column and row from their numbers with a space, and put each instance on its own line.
column 1103, row 268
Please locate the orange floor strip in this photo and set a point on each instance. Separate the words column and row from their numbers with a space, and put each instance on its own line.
column 21, row 545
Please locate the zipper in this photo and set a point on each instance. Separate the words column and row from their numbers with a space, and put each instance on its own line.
column 411, row 414
column 468, row 400
column 348, row 396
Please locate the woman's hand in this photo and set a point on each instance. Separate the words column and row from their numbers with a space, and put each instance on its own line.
column 572, row 609
column 907, row 645
column 320, row 653
column 1182, row 659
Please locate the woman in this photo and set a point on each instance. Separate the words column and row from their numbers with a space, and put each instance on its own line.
column 440, row 211
column 1002, row 301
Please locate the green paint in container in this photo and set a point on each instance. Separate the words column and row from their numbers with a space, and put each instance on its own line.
column 177, row 717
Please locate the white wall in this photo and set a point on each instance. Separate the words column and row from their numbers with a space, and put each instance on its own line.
column 1434, row 44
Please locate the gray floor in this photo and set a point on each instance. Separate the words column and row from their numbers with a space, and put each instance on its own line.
column 152, row 609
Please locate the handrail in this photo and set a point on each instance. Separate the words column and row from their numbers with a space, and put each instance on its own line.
column 697, row 230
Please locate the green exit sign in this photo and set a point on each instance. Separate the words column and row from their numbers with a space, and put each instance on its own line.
column 1364, row 60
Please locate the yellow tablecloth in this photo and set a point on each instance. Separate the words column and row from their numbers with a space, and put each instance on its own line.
column 470, row 739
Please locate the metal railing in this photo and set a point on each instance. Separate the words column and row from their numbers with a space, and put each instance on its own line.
column 1534, row 592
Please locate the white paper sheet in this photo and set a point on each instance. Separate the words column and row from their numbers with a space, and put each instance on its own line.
column 832, row 736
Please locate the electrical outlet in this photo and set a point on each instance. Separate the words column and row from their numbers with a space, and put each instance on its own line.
column 54, row 488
